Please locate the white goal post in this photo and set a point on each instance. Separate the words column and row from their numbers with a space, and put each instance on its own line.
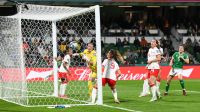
column 29, row 42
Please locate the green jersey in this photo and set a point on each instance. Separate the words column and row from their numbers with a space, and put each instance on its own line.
column 177, row 62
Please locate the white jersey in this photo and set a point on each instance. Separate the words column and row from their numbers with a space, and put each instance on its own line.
column 153, row 52
column 65, row 60
column 110, row 68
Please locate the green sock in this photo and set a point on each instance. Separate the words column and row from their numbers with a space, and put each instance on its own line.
column 182, row 84
column 167, row 88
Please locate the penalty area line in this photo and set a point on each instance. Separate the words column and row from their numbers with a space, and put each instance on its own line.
column 120, row 108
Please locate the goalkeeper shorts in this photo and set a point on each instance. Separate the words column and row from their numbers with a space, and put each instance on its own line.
column 93, row 75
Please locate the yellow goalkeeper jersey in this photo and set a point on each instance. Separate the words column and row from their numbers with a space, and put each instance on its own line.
column 92, row 57
column 93, row 67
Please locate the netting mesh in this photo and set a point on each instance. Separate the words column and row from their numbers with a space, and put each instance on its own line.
column 37, row 86
column 12, row 83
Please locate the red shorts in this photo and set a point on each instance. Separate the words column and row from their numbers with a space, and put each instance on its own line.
column 62, row 75
column 153, row 72
column 110, row 82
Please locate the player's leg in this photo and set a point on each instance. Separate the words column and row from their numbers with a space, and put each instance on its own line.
column 152, row 82
column 90, row 87
column 63, row 87
column 91, row 84
column 145, row 89
column 171, row 75
column 180, row 77
column 94, row 93
column 94, row 90
column 158, row 84
column 169, row 78
column 63, row 84
column 112, row 84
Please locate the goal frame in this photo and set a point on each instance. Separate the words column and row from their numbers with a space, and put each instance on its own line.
column 54, row 38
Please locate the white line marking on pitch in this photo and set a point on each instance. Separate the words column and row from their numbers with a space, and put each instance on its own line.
column 120, row 108
column 189, row 91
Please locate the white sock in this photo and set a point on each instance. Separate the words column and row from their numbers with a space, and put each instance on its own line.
column 94, row 95
column 158, row 87
column 153, row 90
column 114, row 92
column 145, row 87
column 63, row 88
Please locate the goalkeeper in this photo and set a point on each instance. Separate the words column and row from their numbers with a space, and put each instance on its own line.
column 89, row 55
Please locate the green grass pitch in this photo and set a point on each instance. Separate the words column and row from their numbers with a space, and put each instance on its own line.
column 128, row 92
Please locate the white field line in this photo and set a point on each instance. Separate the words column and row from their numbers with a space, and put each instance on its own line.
column 188, row 91
column 120, row 108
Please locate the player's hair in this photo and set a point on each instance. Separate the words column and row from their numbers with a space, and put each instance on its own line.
column 116, row 55
column 90, row 43
column 182, row 46
column 158, row 45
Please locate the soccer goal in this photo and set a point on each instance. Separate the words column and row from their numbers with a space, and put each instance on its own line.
column 29, row 42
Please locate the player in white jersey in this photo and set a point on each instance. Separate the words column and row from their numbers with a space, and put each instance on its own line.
column 154, row 57
column 145, row 89
column 63, row 73
column 110, row 67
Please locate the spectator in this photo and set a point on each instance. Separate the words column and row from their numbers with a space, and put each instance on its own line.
column 136, row 42
column 63, row 47
column 125, row 42
column 119, row 43
column 143, row 42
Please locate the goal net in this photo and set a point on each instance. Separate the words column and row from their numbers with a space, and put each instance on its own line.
column 32, row 46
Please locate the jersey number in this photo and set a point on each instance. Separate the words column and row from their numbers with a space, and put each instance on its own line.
column 112, row 65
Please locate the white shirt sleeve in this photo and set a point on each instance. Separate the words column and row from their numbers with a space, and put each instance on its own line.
column 104, row 62
column 67, row 59
column 157, row 51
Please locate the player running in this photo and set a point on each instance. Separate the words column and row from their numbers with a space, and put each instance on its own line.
column 177, row 62
column 110, row 67
column 89, row 55
column 153, row 67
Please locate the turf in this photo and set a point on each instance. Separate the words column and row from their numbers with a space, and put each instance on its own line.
column 128, row 92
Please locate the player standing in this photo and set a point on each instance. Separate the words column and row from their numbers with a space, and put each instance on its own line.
column 177, row 62
column 110, row 67
column 63, row 73
column 145, row 90
column 153, row 68
column 89, row 55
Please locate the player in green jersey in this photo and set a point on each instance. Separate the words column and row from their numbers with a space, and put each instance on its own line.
column 178, row 60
